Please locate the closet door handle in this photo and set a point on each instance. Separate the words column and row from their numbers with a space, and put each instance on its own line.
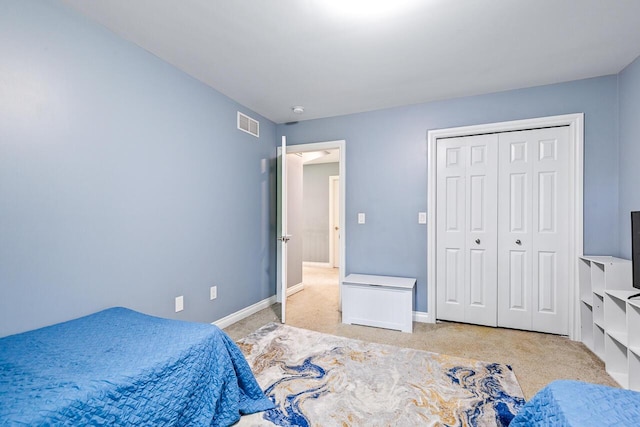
column 518, row 242
column 478, row 241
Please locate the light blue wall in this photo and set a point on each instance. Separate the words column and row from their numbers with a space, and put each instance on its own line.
column 386, row 154
column 123, row 181
column 629, row 111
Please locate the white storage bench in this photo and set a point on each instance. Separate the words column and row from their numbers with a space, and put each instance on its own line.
column 382, row 301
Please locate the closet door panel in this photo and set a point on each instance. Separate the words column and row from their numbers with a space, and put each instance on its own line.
column 514, row 230
column 518, row 215
column 477, row 203
column 477, row 283
column 518, row 281
column 451, row 220
column 547, row 198
column 466, row 227
column 454, row 195
column 481, row 255
column 454, row 279
column 550, row 291
column 533, row 236
column 547, row 289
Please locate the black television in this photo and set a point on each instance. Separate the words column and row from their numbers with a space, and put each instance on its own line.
column 635, row 251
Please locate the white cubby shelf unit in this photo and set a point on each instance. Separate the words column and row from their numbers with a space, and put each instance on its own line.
column 610, row 321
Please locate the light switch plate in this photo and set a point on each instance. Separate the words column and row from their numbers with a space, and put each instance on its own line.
column 179, row 303
column 422, row 217
column 361, row 218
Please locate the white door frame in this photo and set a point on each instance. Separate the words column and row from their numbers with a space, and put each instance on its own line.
column 332, row 234
column 576, row 172
column 331, row 145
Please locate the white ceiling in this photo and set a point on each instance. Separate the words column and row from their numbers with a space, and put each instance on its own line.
column 271, row 55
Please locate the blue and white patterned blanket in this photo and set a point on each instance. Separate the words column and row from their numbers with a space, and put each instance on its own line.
column 121, row 367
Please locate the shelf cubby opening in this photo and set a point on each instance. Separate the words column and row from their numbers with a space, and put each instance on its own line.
column 597, row 277
column 633, row 327
column 584, row 278
column 615, row 314
column 598, row 341
column 598, row 310
column 616, row 362
column 586, row 322
column 634, row 371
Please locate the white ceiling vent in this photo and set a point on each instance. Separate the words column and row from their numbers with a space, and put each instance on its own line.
column 249, row 125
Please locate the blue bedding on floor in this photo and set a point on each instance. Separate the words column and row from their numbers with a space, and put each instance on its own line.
column 579, row 404
column 121, row 367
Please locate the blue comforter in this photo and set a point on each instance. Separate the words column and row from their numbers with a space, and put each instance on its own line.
column 567, row 403
column 121, row 367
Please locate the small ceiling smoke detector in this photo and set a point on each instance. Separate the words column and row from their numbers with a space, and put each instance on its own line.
column 298, row 109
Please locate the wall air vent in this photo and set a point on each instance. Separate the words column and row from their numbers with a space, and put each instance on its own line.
column 248, row 125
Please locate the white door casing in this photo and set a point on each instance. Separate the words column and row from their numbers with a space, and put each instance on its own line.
column 574, row 200
column 466, row 231
column 533, row 230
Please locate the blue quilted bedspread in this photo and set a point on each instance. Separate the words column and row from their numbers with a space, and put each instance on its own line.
column 121, row 367
column 579, row 404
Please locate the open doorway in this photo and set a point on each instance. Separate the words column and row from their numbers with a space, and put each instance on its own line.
column 315, row 217
column 321, row 225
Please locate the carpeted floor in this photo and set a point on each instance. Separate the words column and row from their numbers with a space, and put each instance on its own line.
column 536, row 359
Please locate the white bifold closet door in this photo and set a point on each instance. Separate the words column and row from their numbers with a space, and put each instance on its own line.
column 502, row 230
column 533, row 230
column 467, row 228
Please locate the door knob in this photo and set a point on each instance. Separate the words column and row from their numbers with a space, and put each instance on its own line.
column 478, row 241
column 336, row 228
column 518, row 242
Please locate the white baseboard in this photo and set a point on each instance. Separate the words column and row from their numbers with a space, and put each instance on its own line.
column 317, row 264
column 418, row 316
column 295, row 289
column 245, row 312
column 422, row 317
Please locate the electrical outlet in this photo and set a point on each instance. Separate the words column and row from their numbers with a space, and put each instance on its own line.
column 361, row 218
column 179, row 303
column 213, row 292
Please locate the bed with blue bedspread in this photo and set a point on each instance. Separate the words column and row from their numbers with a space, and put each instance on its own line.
column 121, row 367
column 567, row 403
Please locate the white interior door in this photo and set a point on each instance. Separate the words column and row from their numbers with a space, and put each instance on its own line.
column 281, row 233
column 534, row 230
column 466, row 276
column 334, row 222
